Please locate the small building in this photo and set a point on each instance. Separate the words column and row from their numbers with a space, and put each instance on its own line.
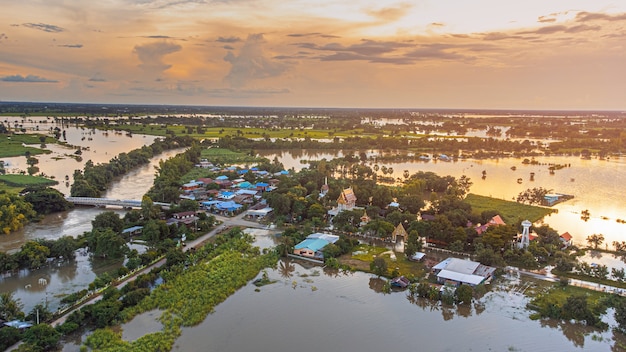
column 399, row 231
column 566, row 239
column 135, row 230
column 461, row 271
column 312, row 246
column 494, row 221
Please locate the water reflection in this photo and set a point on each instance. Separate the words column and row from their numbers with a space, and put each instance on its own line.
column 346, row 312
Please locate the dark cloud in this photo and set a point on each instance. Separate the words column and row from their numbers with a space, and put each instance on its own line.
column 157, row 36
column 366, row 47
column 561, row 29
column 229, row 40
column 592, row 16
column 50, row 28
column 228, row 47
column 437, row 24
column 300, row 35
column 3, row 37
column 27, row 79
column 252, row 63
column 97, row 79
column 495, row 36
column 151, row 55
column 546, row 19
column 314, row 34
column 73, row 46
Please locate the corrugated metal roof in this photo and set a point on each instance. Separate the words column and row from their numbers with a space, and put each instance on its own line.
column 460, row 277
column 314, row 244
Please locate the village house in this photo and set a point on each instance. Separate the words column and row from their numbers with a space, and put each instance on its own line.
column 494, row 221
column 185, row 217
column 312, row 246
column 455, row 272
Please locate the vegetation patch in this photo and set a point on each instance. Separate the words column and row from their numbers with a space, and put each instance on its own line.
column 511, row 212
column 26, row 180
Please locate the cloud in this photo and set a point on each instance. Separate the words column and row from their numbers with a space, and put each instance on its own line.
column 366, row 47
column 229, row 40
column 561, row 29
column 27, row 79
column 74, row 46
column 591, row 16
column 252, row 63
column 97, row 79
column 50, row 28
column 151, row 55
column 157, row 36
column 3, row 37
column 315, row 34
column 228, row 47
column 546, row 19
column 390, row 14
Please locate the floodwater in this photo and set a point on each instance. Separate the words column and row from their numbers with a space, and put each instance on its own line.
column 96, row 145
column 62, row 278
column 311, row 309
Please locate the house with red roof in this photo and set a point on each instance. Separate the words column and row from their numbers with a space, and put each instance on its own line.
column 494, row 221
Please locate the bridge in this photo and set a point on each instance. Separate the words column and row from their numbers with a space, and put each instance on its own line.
column 102, row 202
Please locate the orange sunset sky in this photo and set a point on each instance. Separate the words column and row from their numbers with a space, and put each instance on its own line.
column 493, row 54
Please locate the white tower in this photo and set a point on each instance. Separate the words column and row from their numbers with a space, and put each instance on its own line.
column 525, row 240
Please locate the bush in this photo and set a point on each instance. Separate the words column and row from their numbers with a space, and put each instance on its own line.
column 67, row 328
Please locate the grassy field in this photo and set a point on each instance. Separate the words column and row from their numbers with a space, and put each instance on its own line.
column 510, row 211
column 227, row 157
column 365, row 254
column 13, row 146
column 25, row 180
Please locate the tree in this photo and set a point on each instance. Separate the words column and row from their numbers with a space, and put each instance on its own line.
column 379, row 266
column 10, row 308
column 413, row 243
column 106, row 243
column 575, row 307
column 620, row 313
column 108, row 219
column 595, row 240
column 64, row 246
column 40, row 312
column 34, row 254
column 46, row 200
column 464, row 294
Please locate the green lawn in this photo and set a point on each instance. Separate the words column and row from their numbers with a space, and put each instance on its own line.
column 12, row 145
column 25, row 180
column 510, row 211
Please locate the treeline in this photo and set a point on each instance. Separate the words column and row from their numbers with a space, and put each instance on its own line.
column 430, row 144
column 166, row 186
column 94, row 179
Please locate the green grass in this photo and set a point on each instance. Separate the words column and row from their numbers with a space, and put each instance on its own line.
column 558, row 295
column 25, row 180
column 11, row 146
column 227, row 157
column 510, row 211
column 366, row 255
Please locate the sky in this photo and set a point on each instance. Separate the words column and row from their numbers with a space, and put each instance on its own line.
column 478, row 54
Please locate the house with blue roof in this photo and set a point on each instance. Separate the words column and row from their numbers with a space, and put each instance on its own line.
column 312, row 246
